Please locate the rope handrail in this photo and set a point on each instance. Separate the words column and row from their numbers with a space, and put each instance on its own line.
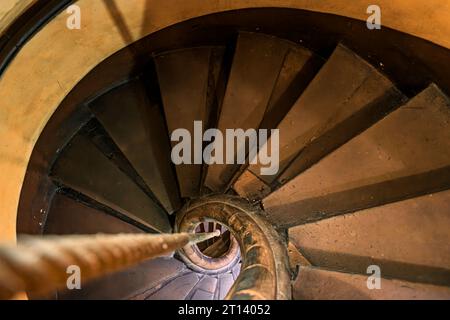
column 39, row 265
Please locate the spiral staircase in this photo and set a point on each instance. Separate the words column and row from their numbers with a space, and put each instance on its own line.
column 364, row 172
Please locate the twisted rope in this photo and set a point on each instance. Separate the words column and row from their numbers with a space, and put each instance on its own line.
column 39, row 265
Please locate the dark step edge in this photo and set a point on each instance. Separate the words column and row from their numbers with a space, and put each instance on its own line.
column 336, row 137
column 154, row 95
column 195, row 288
column 393, row 270
column 294, row 91
column 92, row 203
column 285, row 102
column 340, row 134
column 361, row 198
column 215, row 94
column 157, row 286
column 222, row 58
column 94, row 131
column 163, row 284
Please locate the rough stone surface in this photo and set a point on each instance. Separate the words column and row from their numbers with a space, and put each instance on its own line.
column 225, row 283
column 133, row 283
column 177, row 289
column 315, row 284
column 405, row 154
column 408, row 239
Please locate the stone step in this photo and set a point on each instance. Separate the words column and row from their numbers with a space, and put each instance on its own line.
column 85, row 169
column 134, row 283
column 257, row 63
column 335, row 107
column 177, row 289
column 128, row 109
column 408, row 239
column 187, row 81
column 317, row 284
column 404, row 155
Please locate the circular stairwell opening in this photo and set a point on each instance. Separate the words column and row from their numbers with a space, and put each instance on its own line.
column 215, row 255
column 216, row 247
